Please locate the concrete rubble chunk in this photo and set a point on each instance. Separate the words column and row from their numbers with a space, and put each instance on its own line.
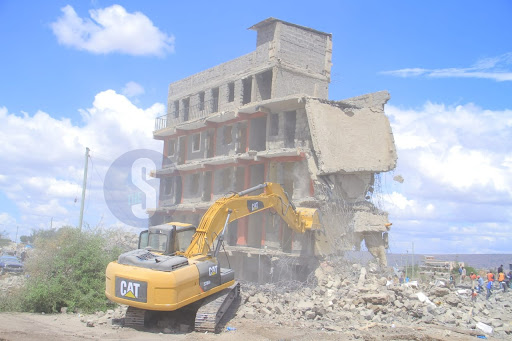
column 378, row 299
column 484, row 327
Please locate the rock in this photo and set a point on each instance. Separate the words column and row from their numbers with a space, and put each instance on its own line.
column 278, row 308
column 378, row 299
column 305, row 305
column 398, row 304
column 362, row 278
column 452, row 300
column 90, row 323
column 265, row 311
column 310, row 314
column 64, row 310
column 497, row 323
column 167, row 331
column 439, row 292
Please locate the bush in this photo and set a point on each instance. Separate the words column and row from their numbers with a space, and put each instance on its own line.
column 67, row 269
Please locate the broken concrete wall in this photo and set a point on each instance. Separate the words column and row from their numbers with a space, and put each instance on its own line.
column 350, row 138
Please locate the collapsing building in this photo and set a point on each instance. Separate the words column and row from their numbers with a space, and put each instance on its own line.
column 266, row 117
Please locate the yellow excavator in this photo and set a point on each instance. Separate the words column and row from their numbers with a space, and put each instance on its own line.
column 176, row 264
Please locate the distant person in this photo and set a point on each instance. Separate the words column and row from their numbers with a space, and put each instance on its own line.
column 501, row 279
column 489, row 289
column 473, row 295
column 500, row 268
column 460, row 274
column 452, row 282
column 480, row 282
column 473, row 280
column 490, row 276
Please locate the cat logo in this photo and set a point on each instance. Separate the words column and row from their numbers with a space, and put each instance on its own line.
column 254, row 205
column 212, row 270
column 129, row 289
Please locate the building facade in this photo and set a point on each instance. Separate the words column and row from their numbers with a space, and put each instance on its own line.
column 265, row 116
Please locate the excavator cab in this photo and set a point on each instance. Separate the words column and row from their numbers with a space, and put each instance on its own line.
column 167, row 239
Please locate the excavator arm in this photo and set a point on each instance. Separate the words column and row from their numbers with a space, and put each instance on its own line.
column 239, row 205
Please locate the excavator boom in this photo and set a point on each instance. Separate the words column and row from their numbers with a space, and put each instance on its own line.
column 239, row 205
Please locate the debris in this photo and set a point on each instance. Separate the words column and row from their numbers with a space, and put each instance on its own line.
column 483, row 327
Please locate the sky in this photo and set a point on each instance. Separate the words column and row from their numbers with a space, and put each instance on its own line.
column 77, row 74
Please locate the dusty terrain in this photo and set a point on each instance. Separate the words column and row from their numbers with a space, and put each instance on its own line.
column 25, row 326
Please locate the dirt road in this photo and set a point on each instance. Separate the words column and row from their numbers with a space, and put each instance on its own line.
column 25, row 326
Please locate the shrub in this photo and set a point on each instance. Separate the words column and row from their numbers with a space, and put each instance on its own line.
column 67, row 269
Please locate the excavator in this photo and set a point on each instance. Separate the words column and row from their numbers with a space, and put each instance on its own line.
column 176, row 265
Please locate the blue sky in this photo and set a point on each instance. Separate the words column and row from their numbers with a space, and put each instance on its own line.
column 74, row 74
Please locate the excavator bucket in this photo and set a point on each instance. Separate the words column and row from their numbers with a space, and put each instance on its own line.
column 310, row 218
column 312, row 224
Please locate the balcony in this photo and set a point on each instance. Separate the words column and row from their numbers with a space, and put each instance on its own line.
column 187, row 113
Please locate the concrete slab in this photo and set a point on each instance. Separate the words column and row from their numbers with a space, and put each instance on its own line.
column 347, row 138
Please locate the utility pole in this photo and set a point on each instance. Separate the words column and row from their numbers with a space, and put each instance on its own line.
column 412, row 260
column 84, row 185
column 16, row 239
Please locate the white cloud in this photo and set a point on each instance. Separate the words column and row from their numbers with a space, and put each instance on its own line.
column 112, row 29
column 462, row 149
column 456, row 162
column 132, row 89
column 46, row 158
column 496, row 68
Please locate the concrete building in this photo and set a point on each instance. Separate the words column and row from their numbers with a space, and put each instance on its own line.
column 265, row 116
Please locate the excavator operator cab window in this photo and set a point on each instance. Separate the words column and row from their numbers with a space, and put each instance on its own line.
column 153, row 241
column 183, row 239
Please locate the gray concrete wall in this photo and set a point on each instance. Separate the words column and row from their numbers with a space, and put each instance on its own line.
column 289, row 82
column 351, row 139
column 305, row 48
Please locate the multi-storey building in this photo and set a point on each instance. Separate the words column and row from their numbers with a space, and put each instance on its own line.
column 266, row 116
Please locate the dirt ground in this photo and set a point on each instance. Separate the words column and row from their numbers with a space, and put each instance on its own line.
column 26, row 326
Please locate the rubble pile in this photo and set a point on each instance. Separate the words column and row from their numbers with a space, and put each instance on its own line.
column 354, row 297
column 11, row 282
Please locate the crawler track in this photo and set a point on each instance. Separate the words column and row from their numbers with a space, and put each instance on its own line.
column 134, row 317
column 214, row 307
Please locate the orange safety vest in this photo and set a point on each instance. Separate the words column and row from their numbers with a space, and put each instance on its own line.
column 501, row 277
column 490, row 276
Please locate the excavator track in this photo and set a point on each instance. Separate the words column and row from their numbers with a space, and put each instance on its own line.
column 211, row 311
column 134, row 317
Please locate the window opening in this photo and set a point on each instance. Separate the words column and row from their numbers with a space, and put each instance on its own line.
column 215, row 99
column 274, row 125
column 196, row 142
column 171, row 147
column 241, row 138
column 201, row 101
column 228, row 138
column 247, row 86
column 176, row 109
column 290, row 121
column 231, row 92
column 186, row 109
column 194, row 183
